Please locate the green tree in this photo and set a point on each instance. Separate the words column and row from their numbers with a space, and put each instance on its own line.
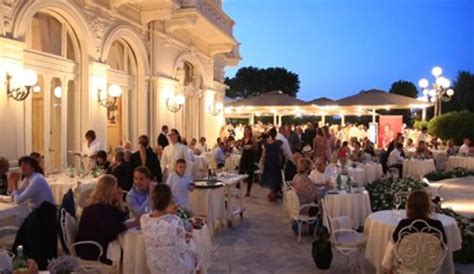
column 405, row 88
column 252, row 81
column 463, row 97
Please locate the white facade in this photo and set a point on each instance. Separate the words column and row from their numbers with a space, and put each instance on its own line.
column 153, row 49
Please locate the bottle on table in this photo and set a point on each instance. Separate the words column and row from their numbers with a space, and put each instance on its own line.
column 20, row 263
column 338, row 182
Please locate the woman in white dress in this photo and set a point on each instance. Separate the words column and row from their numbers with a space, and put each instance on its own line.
column 167, row 249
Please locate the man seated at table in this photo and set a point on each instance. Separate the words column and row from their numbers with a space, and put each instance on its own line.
column 422, row 151
column 138, row 198
column 34, row 189
column 180, row 184
column 395, row 158
column 321, row 175
column 418, row 208
column 465, row 149
column 219, row 154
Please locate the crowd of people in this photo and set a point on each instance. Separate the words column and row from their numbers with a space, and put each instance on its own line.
column 150, row 184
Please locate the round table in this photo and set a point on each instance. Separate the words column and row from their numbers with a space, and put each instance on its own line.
column 373, row 171
column 209, row 202
column 12, row 214
column 358, row 175
column 379, row 228
column 418, row 168
column 354, row 205
column 134, row 257
column 61, row 183
column 459, row 161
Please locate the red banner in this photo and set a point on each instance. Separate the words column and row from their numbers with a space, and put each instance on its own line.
column 389, row 126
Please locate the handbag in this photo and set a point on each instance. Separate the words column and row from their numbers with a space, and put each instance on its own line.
column 322, row 249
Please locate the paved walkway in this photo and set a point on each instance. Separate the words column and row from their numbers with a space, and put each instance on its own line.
column 264, row 243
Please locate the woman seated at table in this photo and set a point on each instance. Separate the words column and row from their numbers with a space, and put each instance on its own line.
column 357, row 153
column 103, row 219
column 422, row 152
column 452, row 150
column 418, row 208
column 101, row 161
column 307, row 191
column 344, row 151
column 167, row 250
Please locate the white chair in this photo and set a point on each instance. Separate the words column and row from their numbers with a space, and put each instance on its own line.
column 70, row 229
column 419, row 250
column 344, row 239
column 294, row 210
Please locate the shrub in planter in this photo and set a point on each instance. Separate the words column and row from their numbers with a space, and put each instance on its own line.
column 453, row 125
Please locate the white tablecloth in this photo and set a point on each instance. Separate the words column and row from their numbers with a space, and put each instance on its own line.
column 61, row 183
column 12, row 214
column 418, row 168
column 373, row 171
column 209, row 202
column 358, row 175
column 134, row 257
column 379, row 228
column 355, row 205
column 463, row 162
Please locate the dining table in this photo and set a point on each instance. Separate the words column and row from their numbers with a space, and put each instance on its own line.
column 380, row 225
column 355, row 205
column 417, row 167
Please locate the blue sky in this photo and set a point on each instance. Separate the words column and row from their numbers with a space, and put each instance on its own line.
column 339, row 47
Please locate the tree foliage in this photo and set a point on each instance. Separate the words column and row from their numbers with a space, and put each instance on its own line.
column 463, row 93
column 404, row 88
column 252, row 81
column 453, row 125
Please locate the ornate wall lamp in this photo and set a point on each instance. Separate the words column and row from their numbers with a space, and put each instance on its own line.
column 174, row 103
column 20, row 85
column 216, row 108
column 110, row 101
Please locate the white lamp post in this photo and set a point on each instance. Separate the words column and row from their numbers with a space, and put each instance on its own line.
column 440, row 91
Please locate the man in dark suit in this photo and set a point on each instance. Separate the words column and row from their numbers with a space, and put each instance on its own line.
column 163, row 137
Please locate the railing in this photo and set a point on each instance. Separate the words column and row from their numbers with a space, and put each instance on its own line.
column 212, row 9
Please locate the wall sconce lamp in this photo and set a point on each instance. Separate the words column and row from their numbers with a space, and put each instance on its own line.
column 110, row 101
column 215, row 109
column 175, row 103
column 20, row 85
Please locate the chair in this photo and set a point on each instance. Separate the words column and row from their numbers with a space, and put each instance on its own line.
column 70, row 227
column 294, row 210
column 419, row 249
column 345, row 239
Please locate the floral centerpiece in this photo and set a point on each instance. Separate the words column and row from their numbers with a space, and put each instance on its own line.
column 64, row 265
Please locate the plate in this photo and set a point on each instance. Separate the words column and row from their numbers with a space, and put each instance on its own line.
column 208, row 183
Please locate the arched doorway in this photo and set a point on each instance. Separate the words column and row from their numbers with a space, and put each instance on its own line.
column 122, row 121
column 53, row 52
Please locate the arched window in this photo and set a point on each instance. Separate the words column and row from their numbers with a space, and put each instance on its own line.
column 122, row 58
column 50, row 35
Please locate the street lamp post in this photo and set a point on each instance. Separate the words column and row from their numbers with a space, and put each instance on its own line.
column 440, row 90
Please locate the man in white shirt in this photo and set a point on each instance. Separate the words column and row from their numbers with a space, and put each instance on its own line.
column 321, row 175
column 464, row 149
column 173, row 152
column 285, row 144
column 202, row 145
column 91, row 146
column 180, row 184
column 395, row 158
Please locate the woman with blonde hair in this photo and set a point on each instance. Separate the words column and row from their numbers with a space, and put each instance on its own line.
column 103, row 219
column 306, row 190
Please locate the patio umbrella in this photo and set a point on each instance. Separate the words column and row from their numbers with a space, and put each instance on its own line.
column 379, row 99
